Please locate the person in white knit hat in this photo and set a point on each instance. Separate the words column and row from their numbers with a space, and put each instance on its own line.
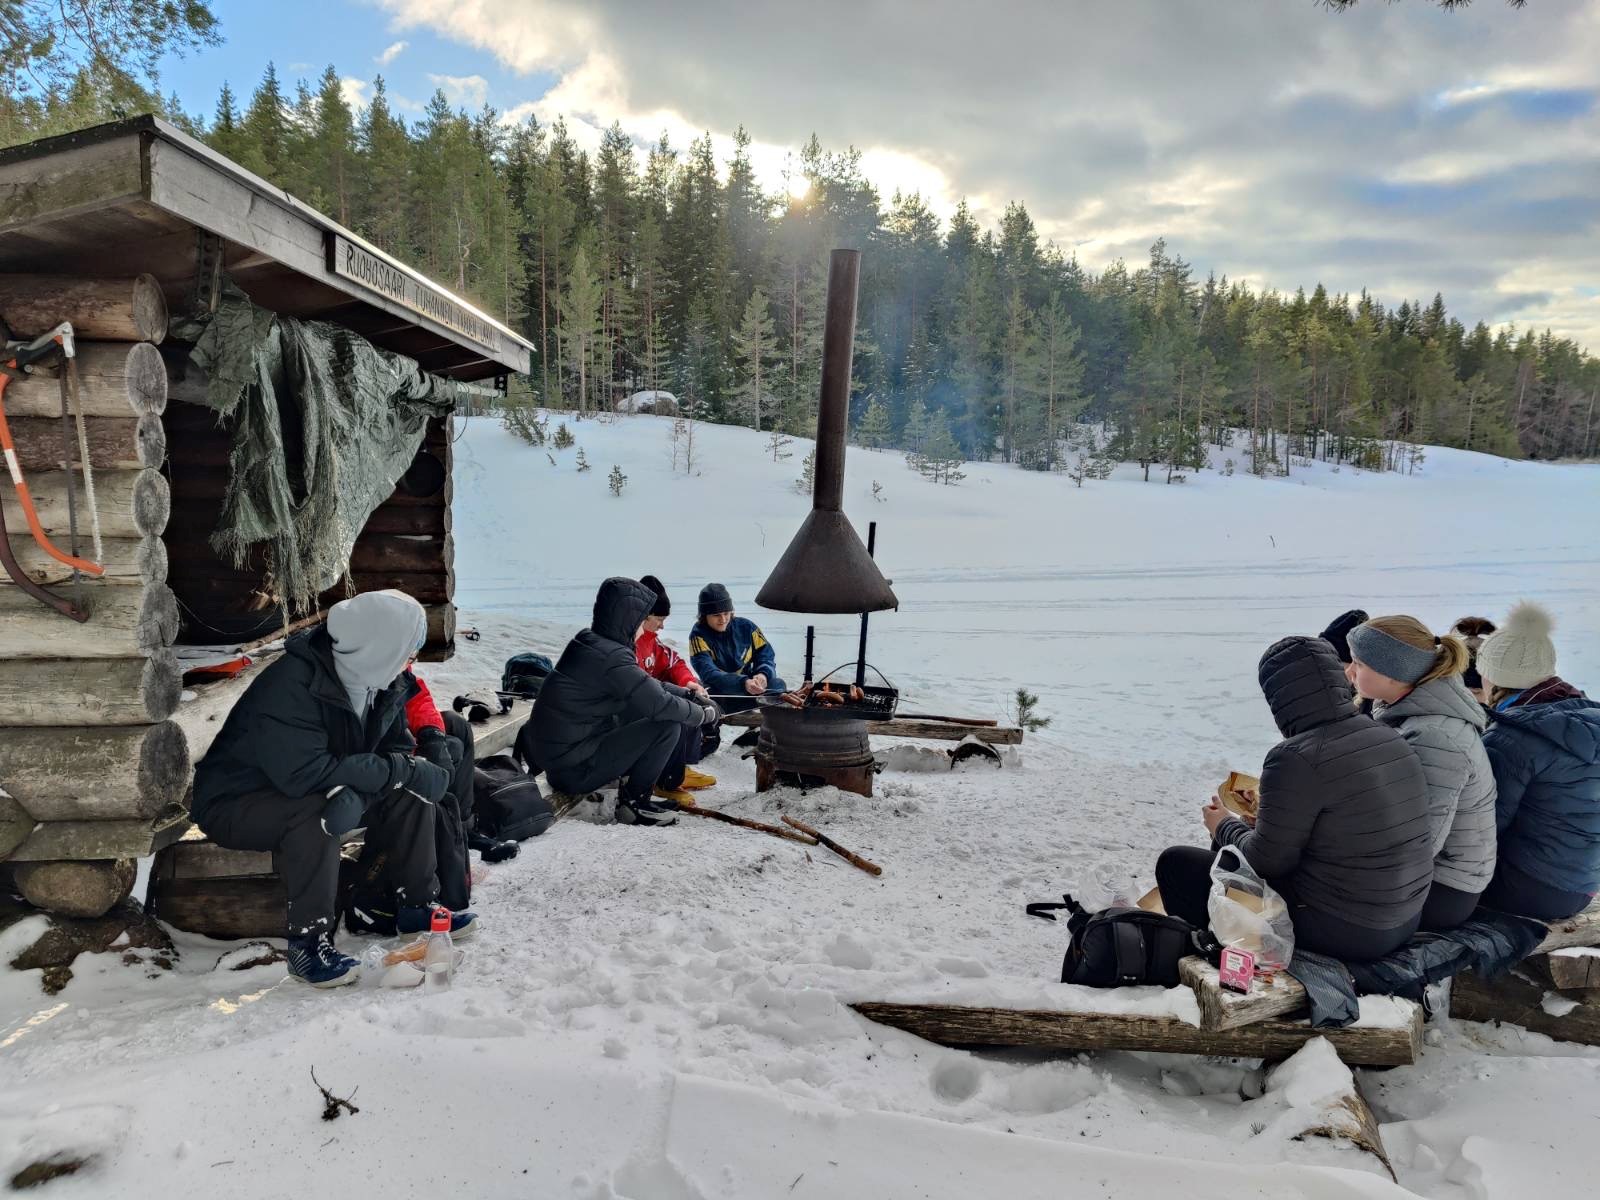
column 1544, row 746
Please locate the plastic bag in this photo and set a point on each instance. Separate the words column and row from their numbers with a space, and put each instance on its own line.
column 1247, row 914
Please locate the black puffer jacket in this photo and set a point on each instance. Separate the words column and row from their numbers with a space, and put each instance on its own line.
column 1343, row 822
column 295, row 732
column 599, row 684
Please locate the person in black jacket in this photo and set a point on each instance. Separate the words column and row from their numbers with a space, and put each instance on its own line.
column 1342, row 829
column 601, row 717
column 318, row 746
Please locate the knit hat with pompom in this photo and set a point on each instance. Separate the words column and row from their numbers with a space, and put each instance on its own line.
column 1520, row 653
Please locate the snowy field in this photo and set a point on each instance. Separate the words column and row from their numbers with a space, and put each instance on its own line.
column 662, row 1013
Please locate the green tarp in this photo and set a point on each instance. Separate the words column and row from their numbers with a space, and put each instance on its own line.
column 324, row 425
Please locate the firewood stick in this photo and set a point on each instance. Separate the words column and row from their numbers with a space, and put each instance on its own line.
column 987, row 722
column 850, row 856
column 746, row 823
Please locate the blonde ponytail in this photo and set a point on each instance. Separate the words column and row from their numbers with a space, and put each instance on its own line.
column 1451, row 656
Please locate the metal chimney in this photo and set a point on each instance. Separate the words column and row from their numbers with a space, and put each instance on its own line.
column 826, row 569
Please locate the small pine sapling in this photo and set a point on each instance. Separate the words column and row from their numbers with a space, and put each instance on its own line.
column 583, row 460
column 617, row 480
column 563, row 437
column 779, row 444
column 808, row 474
column 877, row 492
column 1026, row 716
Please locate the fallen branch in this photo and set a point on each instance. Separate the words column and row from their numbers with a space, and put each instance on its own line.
column 331, row 1104
column 746, row 823
column 850, row 856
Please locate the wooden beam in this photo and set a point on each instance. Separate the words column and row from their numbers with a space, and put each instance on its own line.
column 1516, row 1001
column 125, row 443
column 69, row 182
column 1567, row 971
column 948, row 731
column 201, row 718
column 100, row 774
column 499, row 733
column 131, row 504
column 124, row 622
column 115, row 379
column 107, row 310
column 84, row 691
column 949, row 1025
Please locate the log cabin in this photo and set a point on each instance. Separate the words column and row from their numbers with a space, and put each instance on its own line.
column 116, row 229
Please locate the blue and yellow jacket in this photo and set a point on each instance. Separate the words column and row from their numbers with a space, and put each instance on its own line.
column 725, row 660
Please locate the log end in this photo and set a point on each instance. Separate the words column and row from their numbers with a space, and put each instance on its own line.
column 152, row 503
column 145, row 376
column 165, row 770
column 157, row 626
column 149, row 309
column 161, row 684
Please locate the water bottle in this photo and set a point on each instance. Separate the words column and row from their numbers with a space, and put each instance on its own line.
column 372, row 967
column 439, row 959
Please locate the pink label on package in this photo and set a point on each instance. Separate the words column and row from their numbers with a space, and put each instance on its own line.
column 1237, row 969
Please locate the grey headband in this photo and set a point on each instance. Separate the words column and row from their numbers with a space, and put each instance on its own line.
column 1389, row 655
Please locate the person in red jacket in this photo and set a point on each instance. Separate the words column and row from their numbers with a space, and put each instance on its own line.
column 662, row 662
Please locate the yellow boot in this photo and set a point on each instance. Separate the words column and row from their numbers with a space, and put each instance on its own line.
column 676, row 795
column 694, row 780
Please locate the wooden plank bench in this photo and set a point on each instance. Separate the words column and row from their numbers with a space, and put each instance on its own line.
column 948, row 731
column 1378, row 1044
column 1222, row 1009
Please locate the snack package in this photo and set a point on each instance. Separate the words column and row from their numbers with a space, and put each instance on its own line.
column 1247, row 914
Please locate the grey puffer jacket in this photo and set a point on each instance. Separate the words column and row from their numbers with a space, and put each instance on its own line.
column 1445, row 725
column 1343, row 823
column 599, row 684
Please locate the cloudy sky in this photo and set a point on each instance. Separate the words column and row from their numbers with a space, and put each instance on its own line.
column 1395, row 147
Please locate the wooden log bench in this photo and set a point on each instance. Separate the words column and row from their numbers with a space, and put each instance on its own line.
column 1392, row 1041
column 948, row 731
column 1222, row 1009
column 201, row 887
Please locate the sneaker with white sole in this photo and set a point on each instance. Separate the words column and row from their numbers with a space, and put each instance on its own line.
column 643, row 810
column 316, row 961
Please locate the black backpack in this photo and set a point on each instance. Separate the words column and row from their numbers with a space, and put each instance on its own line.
column 508, row 802
column 1122, row 947
column 525, row 674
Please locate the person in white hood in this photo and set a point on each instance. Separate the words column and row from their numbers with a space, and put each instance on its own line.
column 318, row 746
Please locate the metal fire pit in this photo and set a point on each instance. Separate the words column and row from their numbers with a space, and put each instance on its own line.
column 813, row 747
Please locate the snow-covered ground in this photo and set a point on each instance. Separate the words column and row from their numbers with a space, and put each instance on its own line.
column 663, row 1013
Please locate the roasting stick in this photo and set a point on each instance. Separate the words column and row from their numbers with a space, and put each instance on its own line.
column 746, row 823
column 850, row 856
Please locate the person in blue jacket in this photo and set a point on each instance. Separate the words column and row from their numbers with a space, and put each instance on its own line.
column 731, row 654
column 1544, row 747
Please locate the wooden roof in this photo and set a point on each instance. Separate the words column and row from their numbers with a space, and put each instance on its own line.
column 140, row 196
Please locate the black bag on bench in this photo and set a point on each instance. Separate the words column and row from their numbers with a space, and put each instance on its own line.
column 508, row 802
column 1122, row 947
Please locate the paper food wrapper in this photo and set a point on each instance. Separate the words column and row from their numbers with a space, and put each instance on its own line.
column 1232, row 796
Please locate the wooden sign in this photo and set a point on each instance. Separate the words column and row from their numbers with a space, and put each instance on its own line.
column 350, row 261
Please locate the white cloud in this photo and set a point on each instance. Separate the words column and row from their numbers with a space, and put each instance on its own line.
column 355, row 92
column 1397, row 147
column 391, row 52
column 463, row 91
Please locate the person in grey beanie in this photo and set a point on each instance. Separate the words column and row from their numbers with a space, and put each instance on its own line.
column 1414, row 680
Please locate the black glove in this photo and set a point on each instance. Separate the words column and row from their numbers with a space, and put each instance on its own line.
column 439, row 748
column 343, row 812
column 421, row 778
column 499, row 852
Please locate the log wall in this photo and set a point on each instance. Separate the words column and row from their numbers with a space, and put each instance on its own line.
column 95, row 752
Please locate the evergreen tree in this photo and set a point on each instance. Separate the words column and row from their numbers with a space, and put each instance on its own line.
column 753, row 349
column 580, row 324
column 873, row 432
column 617, row 481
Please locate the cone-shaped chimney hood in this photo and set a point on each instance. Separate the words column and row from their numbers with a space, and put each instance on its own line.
column 826, row 569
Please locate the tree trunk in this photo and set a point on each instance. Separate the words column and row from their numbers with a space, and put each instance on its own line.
column 113, row 310
column 125, row 443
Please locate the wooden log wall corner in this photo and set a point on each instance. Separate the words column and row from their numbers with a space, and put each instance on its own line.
column 87, row 752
